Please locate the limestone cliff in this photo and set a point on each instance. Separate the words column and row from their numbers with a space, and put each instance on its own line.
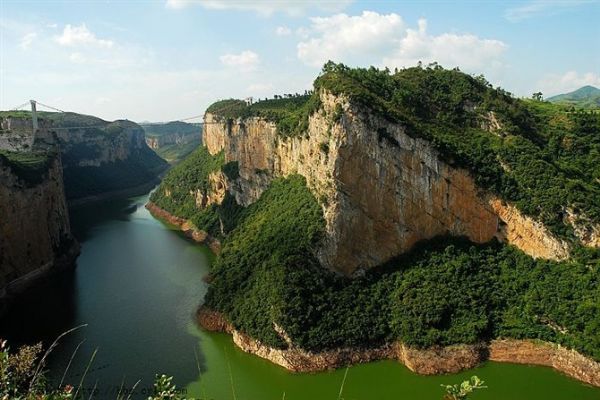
column 381, row 190
column 98, row 157
column 35, row 235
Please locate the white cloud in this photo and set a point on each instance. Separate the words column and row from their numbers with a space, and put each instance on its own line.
column 80, row 35
column 344, row 38
column 27, row 40
column 552, row 84
column 247, row 60
column 263, row 7
column 466, row 51
column 541, row 7
column 384, row 40
column 260, row 89
column 77, row 58
column 283, row 31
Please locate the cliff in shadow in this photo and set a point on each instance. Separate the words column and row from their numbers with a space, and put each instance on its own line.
column 35, row 235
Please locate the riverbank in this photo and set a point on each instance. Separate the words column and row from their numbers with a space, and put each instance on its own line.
column 432, row 361
column 64, row 261
column 186, row 226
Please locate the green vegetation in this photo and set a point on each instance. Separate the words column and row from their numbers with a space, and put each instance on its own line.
column 587, row 97
column 462, row 391
column 177, row 193
column 174, row 153
column 185, row 178
column 290, row 114
column 255, row 271
column 167, row 134
column 446, row 291
column 30, row 168
column 174, row 127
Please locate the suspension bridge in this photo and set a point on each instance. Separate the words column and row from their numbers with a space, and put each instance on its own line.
column 32, row 106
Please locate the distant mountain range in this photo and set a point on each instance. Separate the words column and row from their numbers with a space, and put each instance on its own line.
column 584, row 97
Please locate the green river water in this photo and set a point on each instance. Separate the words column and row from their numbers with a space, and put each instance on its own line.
column 137, row 285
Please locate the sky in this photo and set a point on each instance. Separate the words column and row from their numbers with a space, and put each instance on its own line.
column 165, row 60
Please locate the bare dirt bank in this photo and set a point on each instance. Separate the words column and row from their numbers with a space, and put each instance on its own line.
column 432, row 361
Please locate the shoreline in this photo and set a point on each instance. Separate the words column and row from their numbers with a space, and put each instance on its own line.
column 186, row 226
column 431, row 361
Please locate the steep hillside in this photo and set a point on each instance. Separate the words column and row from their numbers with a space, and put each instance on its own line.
column 587, row 97
column 412, row 185
column 173, row 141
column 99, row 157
column 35, row 236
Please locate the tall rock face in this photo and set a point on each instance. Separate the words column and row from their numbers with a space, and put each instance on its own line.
column 35, row 235
column 101, row 157
column 119, row 140
column 381, row 190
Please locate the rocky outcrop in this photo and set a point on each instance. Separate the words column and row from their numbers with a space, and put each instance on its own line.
column 35, row 235
column 187, row 227
column 527, row 234
column 567, row 361
column 381, row 190
column 432, row 361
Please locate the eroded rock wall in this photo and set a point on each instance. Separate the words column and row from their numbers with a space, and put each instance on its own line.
column 381, row 190
column 35, row 235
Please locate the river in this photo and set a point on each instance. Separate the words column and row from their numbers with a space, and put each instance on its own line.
column 136, row 287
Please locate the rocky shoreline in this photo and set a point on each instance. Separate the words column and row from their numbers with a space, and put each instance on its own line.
column 186, row 226
column 432, row 361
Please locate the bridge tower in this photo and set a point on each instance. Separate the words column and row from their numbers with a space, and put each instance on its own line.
column 34, row 119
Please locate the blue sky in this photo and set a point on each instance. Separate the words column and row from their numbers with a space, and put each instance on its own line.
column 169, row 59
